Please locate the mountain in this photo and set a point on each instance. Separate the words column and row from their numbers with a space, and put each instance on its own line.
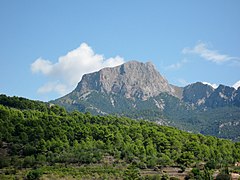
column 130, row 80
column 202, row 95
column 197, row 93
column 139, row 91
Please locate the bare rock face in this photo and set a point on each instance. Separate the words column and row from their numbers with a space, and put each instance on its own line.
column 237, row 98
column 197, row 93
column 200, row 94
column 222, row 96
column 132, row 80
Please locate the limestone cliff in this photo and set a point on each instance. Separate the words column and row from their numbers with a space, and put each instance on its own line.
column 131, row 80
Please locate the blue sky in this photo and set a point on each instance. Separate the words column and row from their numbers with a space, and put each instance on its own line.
column 46, row 46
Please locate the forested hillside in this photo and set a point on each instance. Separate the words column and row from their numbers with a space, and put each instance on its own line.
column 35, row 135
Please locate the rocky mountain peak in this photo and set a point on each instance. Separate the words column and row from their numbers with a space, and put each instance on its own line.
column 132, row 80
column 134, row 89
column 222, row 96
column 197, row 93
column 203, row 95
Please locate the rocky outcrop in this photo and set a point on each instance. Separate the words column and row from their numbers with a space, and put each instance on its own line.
column 131, row 80
column 202, row 95
column 222, row 96
column 141, row 81
column 197, row 93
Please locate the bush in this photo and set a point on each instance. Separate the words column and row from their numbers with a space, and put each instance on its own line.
column 174, row 178
column 153, row 177
column 165, row 177
column 211, row 164
column 34, row 174
column 183, row 168
column 29, row 161
column 141, row 165
column 10, row 171
column 223, row 177
column 196, row 172
column 151, row 162
column 4, row 161
column 41, row 159
column 131, row 173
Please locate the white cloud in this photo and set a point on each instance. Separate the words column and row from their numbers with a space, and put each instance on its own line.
column 202, row 50
column 68, row 70
column 182, row 82
column 53, row 87
column 176, row 66
column 41, row 65
column 210, row 84
column 236, row 85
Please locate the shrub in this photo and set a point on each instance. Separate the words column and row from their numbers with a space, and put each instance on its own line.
column 34, row 174
column 174, row 178
column 223, row 177
column 29, row 161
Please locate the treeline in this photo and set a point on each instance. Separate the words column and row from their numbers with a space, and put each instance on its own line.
column 44, row 135
column 22, row 103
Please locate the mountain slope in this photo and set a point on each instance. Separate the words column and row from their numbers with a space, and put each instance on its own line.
column 202, row 95
column 138, row 91
column 38, row 141
column 131, row 80
column 197, row 93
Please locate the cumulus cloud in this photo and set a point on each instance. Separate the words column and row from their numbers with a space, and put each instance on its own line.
column 42, row 66
column 202, row 50
column 68, row 70
column 210, row 84
column 236, row 85
column 176, row 66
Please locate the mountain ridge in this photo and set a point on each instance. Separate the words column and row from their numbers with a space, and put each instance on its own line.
column 128, row 79
column 139, row 91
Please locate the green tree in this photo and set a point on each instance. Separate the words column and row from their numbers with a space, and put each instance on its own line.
column 186, row 158
column 131, row 173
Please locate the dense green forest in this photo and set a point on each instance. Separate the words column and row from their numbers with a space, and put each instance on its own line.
column 42, row 137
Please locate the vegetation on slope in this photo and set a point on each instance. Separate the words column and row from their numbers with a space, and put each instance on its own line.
column 222, row 122
column 40, row 135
